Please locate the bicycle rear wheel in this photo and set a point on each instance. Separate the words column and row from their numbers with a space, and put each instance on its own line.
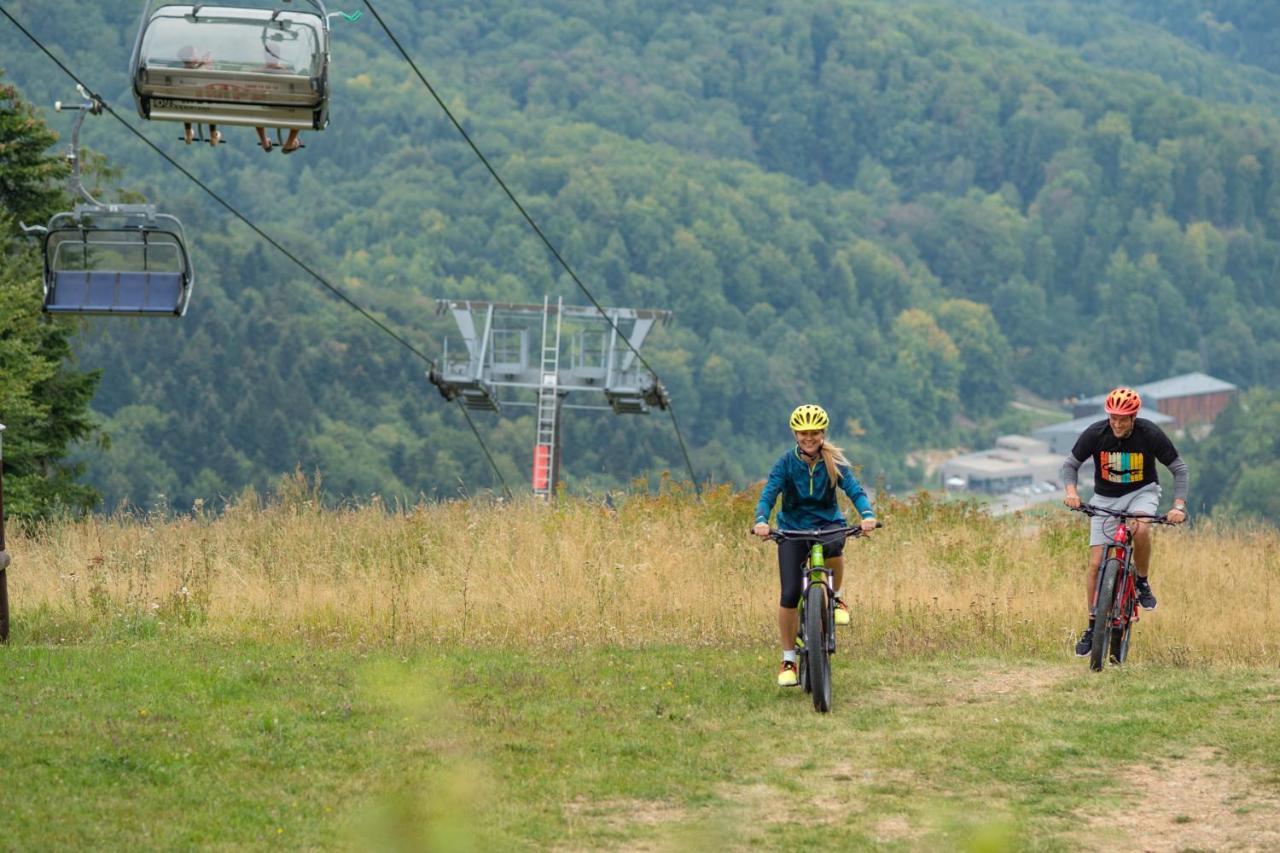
column 815, row 639
column 1120, row 637
column 1103, row 611
column 1120, row 642
column 802, row 663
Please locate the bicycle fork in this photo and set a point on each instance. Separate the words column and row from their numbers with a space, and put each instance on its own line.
column 818, row 573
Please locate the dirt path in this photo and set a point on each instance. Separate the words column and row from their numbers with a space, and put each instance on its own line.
column 1193, row 803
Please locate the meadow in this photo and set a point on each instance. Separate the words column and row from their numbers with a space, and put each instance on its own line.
column 496, row 675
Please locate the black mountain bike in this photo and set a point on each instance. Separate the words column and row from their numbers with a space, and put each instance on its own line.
column 1116, row 600
column 817, row 639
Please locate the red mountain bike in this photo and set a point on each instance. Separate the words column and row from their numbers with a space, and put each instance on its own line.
column 1116, row 601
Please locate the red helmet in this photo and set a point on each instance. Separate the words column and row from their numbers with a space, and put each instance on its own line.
column 1123, row 401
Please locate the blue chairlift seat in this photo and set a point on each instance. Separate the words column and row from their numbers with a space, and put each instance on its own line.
column 233, row 65
column 116, row 259
column 95, row 292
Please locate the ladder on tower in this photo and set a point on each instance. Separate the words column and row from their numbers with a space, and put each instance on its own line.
column 544, row 448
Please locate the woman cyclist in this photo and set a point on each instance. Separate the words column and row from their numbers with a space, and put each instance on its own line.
column 807, row 477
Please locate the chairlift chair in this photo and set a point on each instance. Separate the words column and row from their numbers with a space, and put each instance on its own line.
column 124, row 259
column 233, row 64
column 116, row 259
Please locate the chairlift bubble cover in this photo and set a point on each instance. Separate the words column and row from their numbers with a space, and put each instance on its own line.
column 232, row 65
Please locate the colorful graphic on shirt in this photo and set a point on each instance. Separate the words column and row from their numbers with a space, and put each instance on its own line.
column 1121, row 467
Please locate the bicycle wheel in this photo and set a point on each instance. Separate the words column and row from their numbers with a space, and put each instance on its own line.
column 815, row 637
column 802, row 654
column 802, row 664
column 1120, row 642
column 1103, row 613
column 1120, row 636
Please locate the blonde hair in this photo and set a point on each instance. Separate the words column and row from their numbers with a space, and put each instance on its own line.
column 833, row 456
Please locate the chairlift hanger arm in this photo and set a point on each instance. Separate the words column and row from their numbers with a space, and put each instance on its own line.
column 92, row 105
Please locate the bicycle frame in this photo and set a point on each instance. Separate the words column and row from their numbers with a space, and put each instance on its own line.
column 1124, row 604
column 816, row 570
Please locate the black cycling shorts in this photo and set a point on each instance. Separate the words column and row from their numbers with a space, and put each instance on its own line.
column 792, row 554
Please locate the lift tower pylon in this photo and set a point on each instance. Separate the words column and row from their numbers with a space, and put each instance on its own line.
column 546, row 463
column 496, row 365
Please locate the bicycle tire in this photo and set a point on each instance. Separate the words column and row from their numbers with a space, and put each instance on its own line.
column 1120, row 642
column 802, row 651
column 1101, row 647
column 802, row 662
column 4, row 605
column 815, row 639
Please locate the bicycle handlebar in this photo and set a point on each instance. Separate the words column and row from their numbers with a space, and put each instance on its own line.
column 850, row 532
column 1091, row 510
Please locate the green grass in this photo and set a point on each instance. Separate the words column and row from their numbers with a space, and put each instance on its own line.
column 183, row 740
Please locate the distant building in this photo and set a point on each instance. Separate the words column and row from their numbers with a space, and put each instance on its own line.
column 1061, row 437
column 1015, row 463
column 1193, row 398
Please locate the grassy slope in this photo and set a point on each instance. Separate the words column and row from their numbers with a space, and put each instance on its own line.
column 194, row 742
column 286, row 674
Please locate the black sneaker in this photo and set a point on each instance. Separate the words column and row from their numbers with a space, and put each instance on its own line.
column 1145, row 596
column 1086, row 642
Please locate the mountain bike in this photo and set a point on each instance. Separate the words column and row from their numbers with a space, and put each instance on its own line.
column 817, row 639
column 1116, row 601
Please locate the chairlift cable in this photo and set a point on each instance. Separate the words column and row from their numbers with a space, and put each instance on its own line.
column 488, row 455
column 697, row 489
column 336, row 291
column 532, row 224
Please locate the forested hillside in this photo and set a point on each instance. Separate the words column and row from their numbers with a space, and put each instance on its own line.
column 901, row 212
column 1214, row 49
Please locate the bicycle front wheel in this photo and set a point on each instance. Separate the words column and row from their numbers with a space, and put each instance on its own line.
column 815, row 638
column 1103, row 612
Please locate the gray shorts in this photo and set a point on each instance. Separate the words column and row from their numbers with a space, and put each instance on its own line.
column 1145, row 501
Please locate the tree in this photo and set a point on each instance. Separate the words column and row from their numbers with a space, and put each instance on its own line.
column 986, row 381
column 44, row 401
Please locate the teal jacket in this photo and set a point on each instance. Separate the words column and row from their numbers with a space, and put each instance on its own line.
column 808, row 497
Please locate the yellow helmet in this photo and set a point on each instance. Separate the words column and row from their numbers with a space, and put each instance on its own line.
column 809, row 417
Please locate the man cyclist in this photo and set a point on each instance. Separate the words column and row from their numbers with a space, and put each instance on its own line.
column 807, row 477
column 1125, row 449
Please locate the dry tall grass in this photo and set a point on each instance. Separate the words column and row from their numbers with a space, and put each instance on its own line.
column 662, row 569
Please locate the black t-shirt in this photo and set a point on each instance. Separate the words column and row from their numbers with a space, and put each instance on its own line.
column 1123, row 465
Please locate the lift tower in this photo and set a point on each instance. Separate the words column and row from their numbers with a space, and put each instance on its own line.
column 513, row 355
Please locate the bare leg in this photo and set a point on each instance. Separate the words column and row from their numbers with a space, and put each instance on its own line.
column 187, row 134
column 1091, row 588
column 1142, row 548
column 292, row 143
column 263, row 141
column 788, row 626
column 836, row 564
column 215, row 136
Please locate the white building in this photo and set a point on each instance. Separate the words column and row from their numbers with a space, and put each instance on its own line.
column 1017, row 462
